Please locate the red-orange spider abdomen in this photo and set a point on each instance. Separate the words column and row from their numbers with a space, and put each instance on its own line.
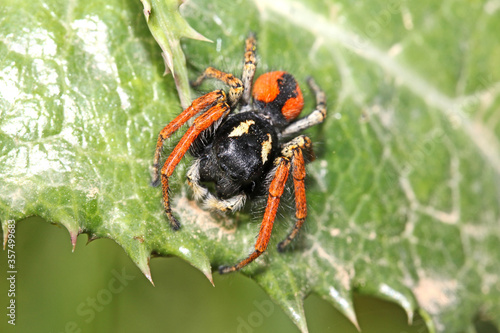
column 279, row 90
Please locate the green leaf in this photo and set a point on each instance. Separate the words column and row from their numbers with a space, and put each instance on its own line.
column 403, row 198
column 168, row 26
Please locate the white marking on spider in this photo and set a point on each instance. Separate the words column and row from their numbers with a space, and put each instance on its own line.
column 267, row 146
column 242, row 128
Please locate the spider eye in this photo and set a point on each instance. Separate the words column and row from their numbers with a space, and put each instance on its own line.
column 279, row 91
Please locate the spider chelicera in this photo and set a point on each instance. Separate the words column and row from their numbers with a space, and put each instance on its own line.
column 246, row 151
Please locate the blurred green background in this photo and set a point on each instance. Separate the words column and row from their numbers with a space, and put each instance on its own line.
column 60, row 291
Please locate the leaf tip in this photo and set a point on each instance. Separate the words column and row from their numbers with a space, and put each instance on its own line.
column 346, row 306
column 341, row 297
column 193, row 34
column 410, row 314
column 148, row 276
column 145, row 269
column 401, row 296
column 74, row 236
column 353, row 319
column 210, row 277
column 147, row 9
column 295, row 310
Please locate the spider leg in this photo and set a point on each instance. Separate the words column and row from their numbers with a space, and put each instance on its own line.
column 315, row 117
column 293, row 149
column 276, row 189
column 249, row 68
column 211, row 202
column 232, row 204
column 200, row 104
column 205, row 120
column 236, row 87
column 193, row 180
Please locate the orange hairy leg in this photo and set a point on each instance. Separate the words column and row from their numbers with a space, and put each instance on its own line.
column 294, row 151
column 235, row 84
column 249, row 68
column 275, row 191
column 200, row 124
column 200, row 104
column 299, row 174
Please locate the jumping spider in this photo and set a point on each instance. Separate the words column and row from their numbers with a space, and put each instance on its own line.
column 244, row 152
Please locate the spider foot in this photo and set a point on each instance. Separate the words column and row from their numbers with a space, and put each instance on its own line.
column 226, row 269
column 155, row 181
column 291, row 236
column 282, row 245
column 174, row 223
